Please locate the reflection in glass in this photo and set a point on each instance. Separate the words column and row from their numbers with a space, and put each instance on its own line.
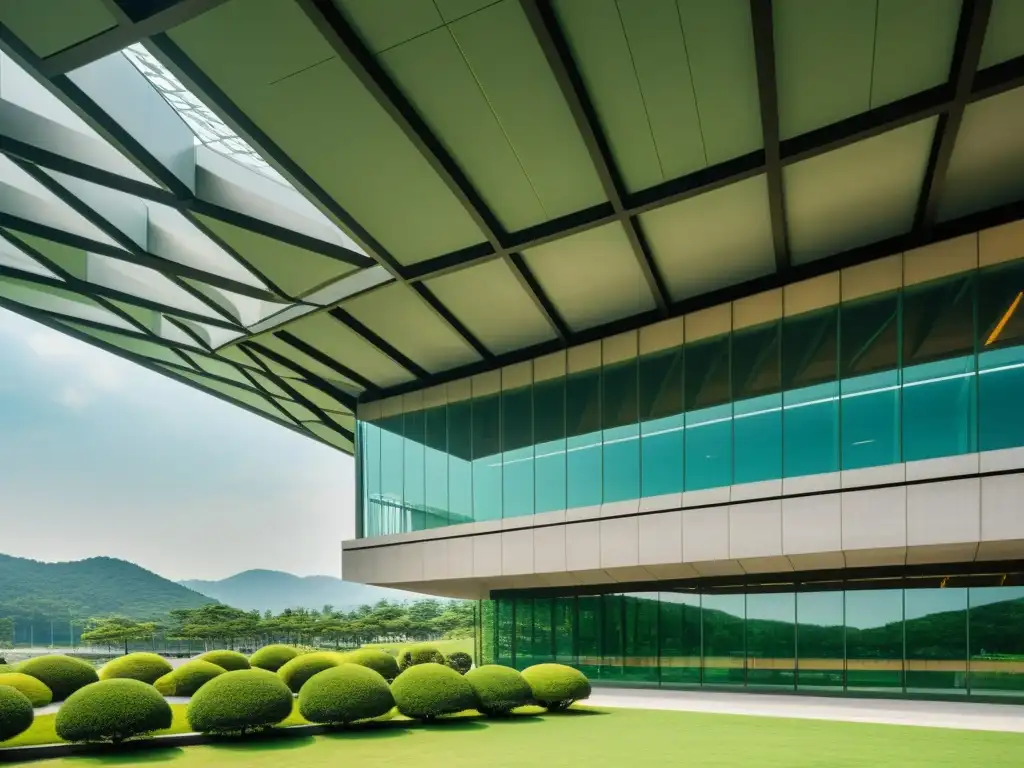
column 621, row 432
column 613, row 610
column 549, row 432
column 679, row 628
column 1000, row 345
column 708, row 442
column 588, row 635
column 543, row 639
column 394, row 516
column 583, row 443
column 723, row 635
column 997, row 640
column 810, row 372
column 506, row 632
column 460, row 468
column 771, row 639
column 757, row 411
column 415, row 486
column 821, row 651
column 524, row 633
column 874, row 639
column 435, row 464
column 936, row 640
column 370, row 462
column 640, row 637
column 563, row 622
column 517, row 451
column 487, row 490
column 661, row 425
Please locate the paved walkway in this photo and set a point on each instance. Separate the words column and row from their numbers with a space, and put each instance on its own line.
column 935, row 714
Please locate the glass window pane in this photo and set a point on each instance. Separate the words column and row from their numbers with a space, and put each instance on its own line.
column 757, row 410
column 936, row 640
column 460, row 468
column 372, row 511
column 939, row 369
column 661, row 426
column 1000, row 357
column 613, row 628
column 997, row 641
column 415, row 486
column 621, row 432
column 810, row 370
column 771, row 639
column 517, row 451
column 589, row 631
column 506, row 631
column 543, row 639
column 394, row 517
column 524, row 633
column 870, row 386
column 583, row 443
column 435, row 463
column 549, row 432
column 874, row 639
column 488, row 632
column 821, row 654
column 564, row 623
column 723, row 618
column 640, row 637
column 708, row 394
column 487, row 490
column 679, row 633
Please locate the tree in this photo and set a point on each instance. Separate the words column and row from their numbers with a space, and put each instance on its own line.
column 6, row 632
column 116, row 630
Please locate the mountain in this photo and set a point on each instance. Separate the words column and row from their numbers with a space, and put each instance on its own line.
column 99, row 586
column 275, row 590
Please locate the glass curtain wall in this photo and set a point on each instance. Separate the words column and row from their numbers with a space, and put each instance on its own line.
column 879, row 638
column 931, row 370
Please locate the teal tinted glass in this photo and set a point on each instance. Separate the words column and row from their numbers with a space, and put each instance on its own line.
column 583, row 438
column 1000, row 346
column 487, row 487
column 661, row 422
column 460, row 467
column 524, row 633
column 936, row 640
column 723, row 619
column 415, row 480
column 757, row 407
column 996, row 619
column 613, row 629
column 874, row 639
column 810, row 372
column 543, row 630
column 563, row 621
column 517, row 452
column 370, row 447
column 549, row 454
column 640, row 638
column 435, row 466
column 506, row 624
column 393, row 515
column 620, row 432
column 589, row 631
column 821, row 644
column 679, row 632
column 771, row 639
column 707, row 398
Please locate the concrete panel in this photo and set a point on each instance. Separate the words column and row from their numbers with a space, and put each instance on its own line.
column 620, row 508
column 941, row 553
column 944, row 513
column 583, row 546
column 706, row 497
column 812, row 524
column 874, row 277
column 487, row 555
column 884, row 475
column 460, row 558
column 949, row 257
column 1001, row 244
column 356, row 566
column 767, row 489
column 705, row 534
column 1001, row 461
column 549, row 518
column 577, row 514
column 1001, row 550
column 713, row 321
column 870, row 558
column 549, row 549
column 822, row 561
column 674, row 571
column 435, row 559
column 517, row 552
column 756, row 310
column 874, row 519
column 719, row 568
column 755, row 565
column 665, row 501
column 755, row 530
column 660, row 538
column 946, row 466
column 827, row 481
column 664, row 335
column 515, row 523
column 619, row 542
column 808, row 295
column 407, row 562
column 1002, row 508
column 628, row 574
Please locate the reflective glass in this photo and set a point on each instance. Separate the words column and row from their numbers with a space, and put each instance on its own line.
column 394, row 517
column 583, row 443
column 549, row 432
column 517, row 451
column 487, row 490
column 936, row 640
column 707, row 394
column 997, row 640
column 757, row 411
column 810, row 371
column 563, row 622
column 939, row 369
column 543, row 638
column 821, row 651
column 414, row 489
column 640, row 638
column 723, row 619
column 679, row 628
column 460, row 468
column 870, row 386
column 588, row 635
column 370, row 447
column 524, row 633
column 487, row 635
column 661, row 425
column 621, row 432
column 506, row 625
column 771, row 639
column 435, row 465
column 613, row 615
column 1000, row 346
column 874, row 639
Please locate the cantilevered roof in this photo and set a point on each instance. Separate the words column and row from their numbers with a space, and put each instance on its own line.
column 300, row 204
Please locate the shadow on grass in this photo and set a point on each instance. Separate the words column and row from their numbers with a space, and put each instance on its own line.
column 367, row 731
column 133, row 755
column 577, row 712
column 263, row 742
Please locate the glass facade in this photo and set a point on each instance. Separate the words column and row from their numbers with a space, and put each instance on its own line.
column 917, row 373
column 915, row 636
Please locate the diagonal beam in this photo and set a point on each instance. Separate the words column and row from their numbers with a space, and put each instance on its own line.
column 358, row 328
column 556, row 50
column 974, row 15
column 768, row 93
column 318, row 382
column 324, row 359
column 544, row 305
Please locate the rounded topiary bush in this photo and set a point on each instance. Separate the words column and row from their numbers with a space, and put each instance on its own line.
column 227, row 660
column 240, row 702
column 498, row 689
column 426, row 691
column 35, row 690
column 460, row 661
column 272, row 657
column 300, row 669
column 145, row 667
column 15, row 712
column 419, row 654
column 345, row 694
column 382, row 663
column 188, row 678
column 63, row 675
column 556, row 686
column 112, row 710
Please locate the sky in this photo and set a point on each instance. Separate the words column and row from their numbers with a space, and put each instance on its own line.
column 102, row 457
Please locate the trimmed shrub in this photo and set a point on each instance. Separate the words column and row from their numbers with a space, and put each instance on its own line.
column 112, row 710
column 240, row 702
column 297, row 671
column 426, row 691
column 226, row 660
column 63, row 675
column 382, row 663
column 145, row 667
column 498, row 689
column 345, row 694
column 16, row 713
column 556, row 686
column 460, row 661
column 419, row 654
column 188, row 678
column 272, row 657
column 34, row 689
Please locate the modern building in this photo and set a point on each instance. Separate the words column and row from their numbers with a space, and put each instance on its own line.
column 684, row 336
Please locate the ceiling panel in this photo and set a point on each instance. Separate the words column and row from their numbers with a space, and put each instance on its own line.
column 384, row 24
column 48, row 27
column 1004, row 37
column 59, row 301
column 311, row 364
column 133, row 344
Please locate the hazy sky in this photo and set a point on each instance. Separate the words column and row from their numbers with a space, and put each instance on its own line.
column 99, row 456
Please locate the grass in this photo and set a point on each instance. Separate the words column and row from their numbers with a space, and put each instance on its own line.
column 444, row 646
column 608, row 739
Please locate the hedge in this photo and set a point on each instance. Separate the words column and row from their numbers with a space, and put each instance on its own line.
column 240, row 702
column 226, row 660
column 296, row 672
column 188, row 678
column 419, row 654
column 63, row 675
column 272, row 657
column 460, row 661
column 34, row 689
column 345, row 694
column 16, row 713
column 426, row 691
column 498, row 689
column 380, row 662
column 145, row 667
column 112, row 710
column 556, row 686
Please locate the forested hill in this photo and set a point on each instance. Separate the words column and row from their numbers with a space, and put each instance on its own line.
column 99, row 586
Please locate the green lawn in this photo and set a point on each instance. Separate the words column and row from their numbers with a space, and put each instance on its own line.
column 444, row 646
column 609, row 739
